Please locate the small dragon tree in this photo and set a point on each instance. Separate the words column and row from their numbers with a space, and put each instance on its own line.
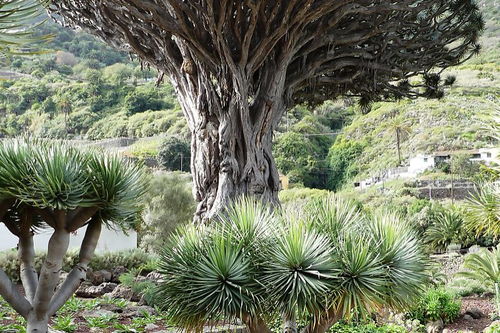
column 54, row 185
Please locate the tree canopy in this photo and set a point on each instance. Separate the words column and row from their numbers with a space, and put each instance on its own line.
column 328, row 47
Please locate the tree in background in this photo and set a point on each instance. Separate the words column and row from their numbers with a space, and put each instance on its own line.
column 168, row 204
column 174, row 154
column 342, row 158
column 238, row 66
column 401, row 129
column 51, row 185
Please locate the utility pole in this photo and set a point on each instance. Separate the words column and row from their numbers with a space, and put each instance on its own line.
column 182, row 157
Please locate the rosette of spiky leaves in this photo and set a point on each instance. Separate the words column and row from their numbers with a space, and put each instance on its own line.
column 401, row 256
column 483, row 211
column 363, row 283
column 333, row 214
column 248, row 220
column 17, row 19
column 43, row 174
column 483, row 266
column 207, row 276
column 299, row 272
column 116, row 187
column 15, row 167
column 445, row 230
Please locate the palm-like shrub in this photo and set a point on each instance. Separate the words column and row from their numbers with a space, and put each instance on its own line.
column 484, row 267
column 252, row 263
column 52, row 185
column 447, row 228
column 483, row 211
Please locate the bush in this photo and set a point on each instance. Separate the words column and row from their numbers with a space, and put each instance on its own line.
column 106, row 261
column 436, row 304
column 168, row 204
column 342, row 161
column 446, row 229
column 247, row 262
column 175, row 154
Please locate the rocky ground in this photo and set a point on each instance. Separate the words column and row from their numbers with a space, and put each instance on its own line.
column 475, row 315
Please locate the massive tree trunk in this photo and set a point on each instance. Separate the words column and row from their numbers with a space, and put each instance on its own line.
column 232, row 132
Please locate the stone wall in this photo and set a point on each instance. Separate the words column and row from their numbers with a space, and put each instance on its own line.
column 445, row 189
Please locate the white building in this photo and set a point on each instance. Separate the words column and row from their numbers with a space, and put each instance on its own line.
column 423, row 162
column 110, row 240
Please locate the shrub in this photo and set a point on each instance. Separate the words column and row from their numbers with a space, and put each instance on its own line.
column 342, row 161
column 484, row 267
column 466, row 287
column 445, row 230
column 436, row 304
column 168, row 205
column 333, row 261
column 175, row 154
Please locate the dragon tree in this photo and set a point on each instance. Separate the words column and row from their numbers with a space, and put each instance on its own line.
column 238, row 65
column 53, row 186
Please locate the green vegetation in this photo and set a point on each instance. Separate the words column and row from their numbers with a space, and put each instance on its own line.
column 129, row 259
column 169, row 204
column 175, row 154
column 291, row 266
column 484, row 267
column 436, row 304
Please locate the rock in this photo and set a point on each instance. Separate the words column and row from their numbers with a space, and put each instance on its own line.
column 468, row 317
column 99, row 277
column 125, row 293
column 96, row 291
column 117, row 272
column 111, row 307
column 475, row 313
column 151, row 327
column 446, row 330
column 138, row 311
column 474, row 249
column 488, row 294
column 434, row 326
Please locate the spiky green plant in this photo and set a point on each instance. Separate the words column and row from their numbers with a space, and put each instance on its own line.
column 17, row 20
column 330, row 264
column 483, row 211
column 447, row 228
column 484, row 267
column 53, row 185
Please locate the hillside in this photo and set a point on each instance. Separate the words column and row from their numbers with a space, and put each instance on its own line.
column 452, row 123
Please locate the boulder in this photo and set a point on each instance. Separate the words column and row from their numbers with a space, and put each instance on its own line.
column 475, row 313
column 434, row 326
column 99, row 277
column 151, row 327
column 468, row 317
column 96, row 313
column 117, row 272
column 138, row 311
column 96, row 291
column 124, row 292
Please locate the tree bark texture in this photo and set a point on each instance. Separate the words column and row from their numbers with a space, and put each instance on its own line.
column 231, row 142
